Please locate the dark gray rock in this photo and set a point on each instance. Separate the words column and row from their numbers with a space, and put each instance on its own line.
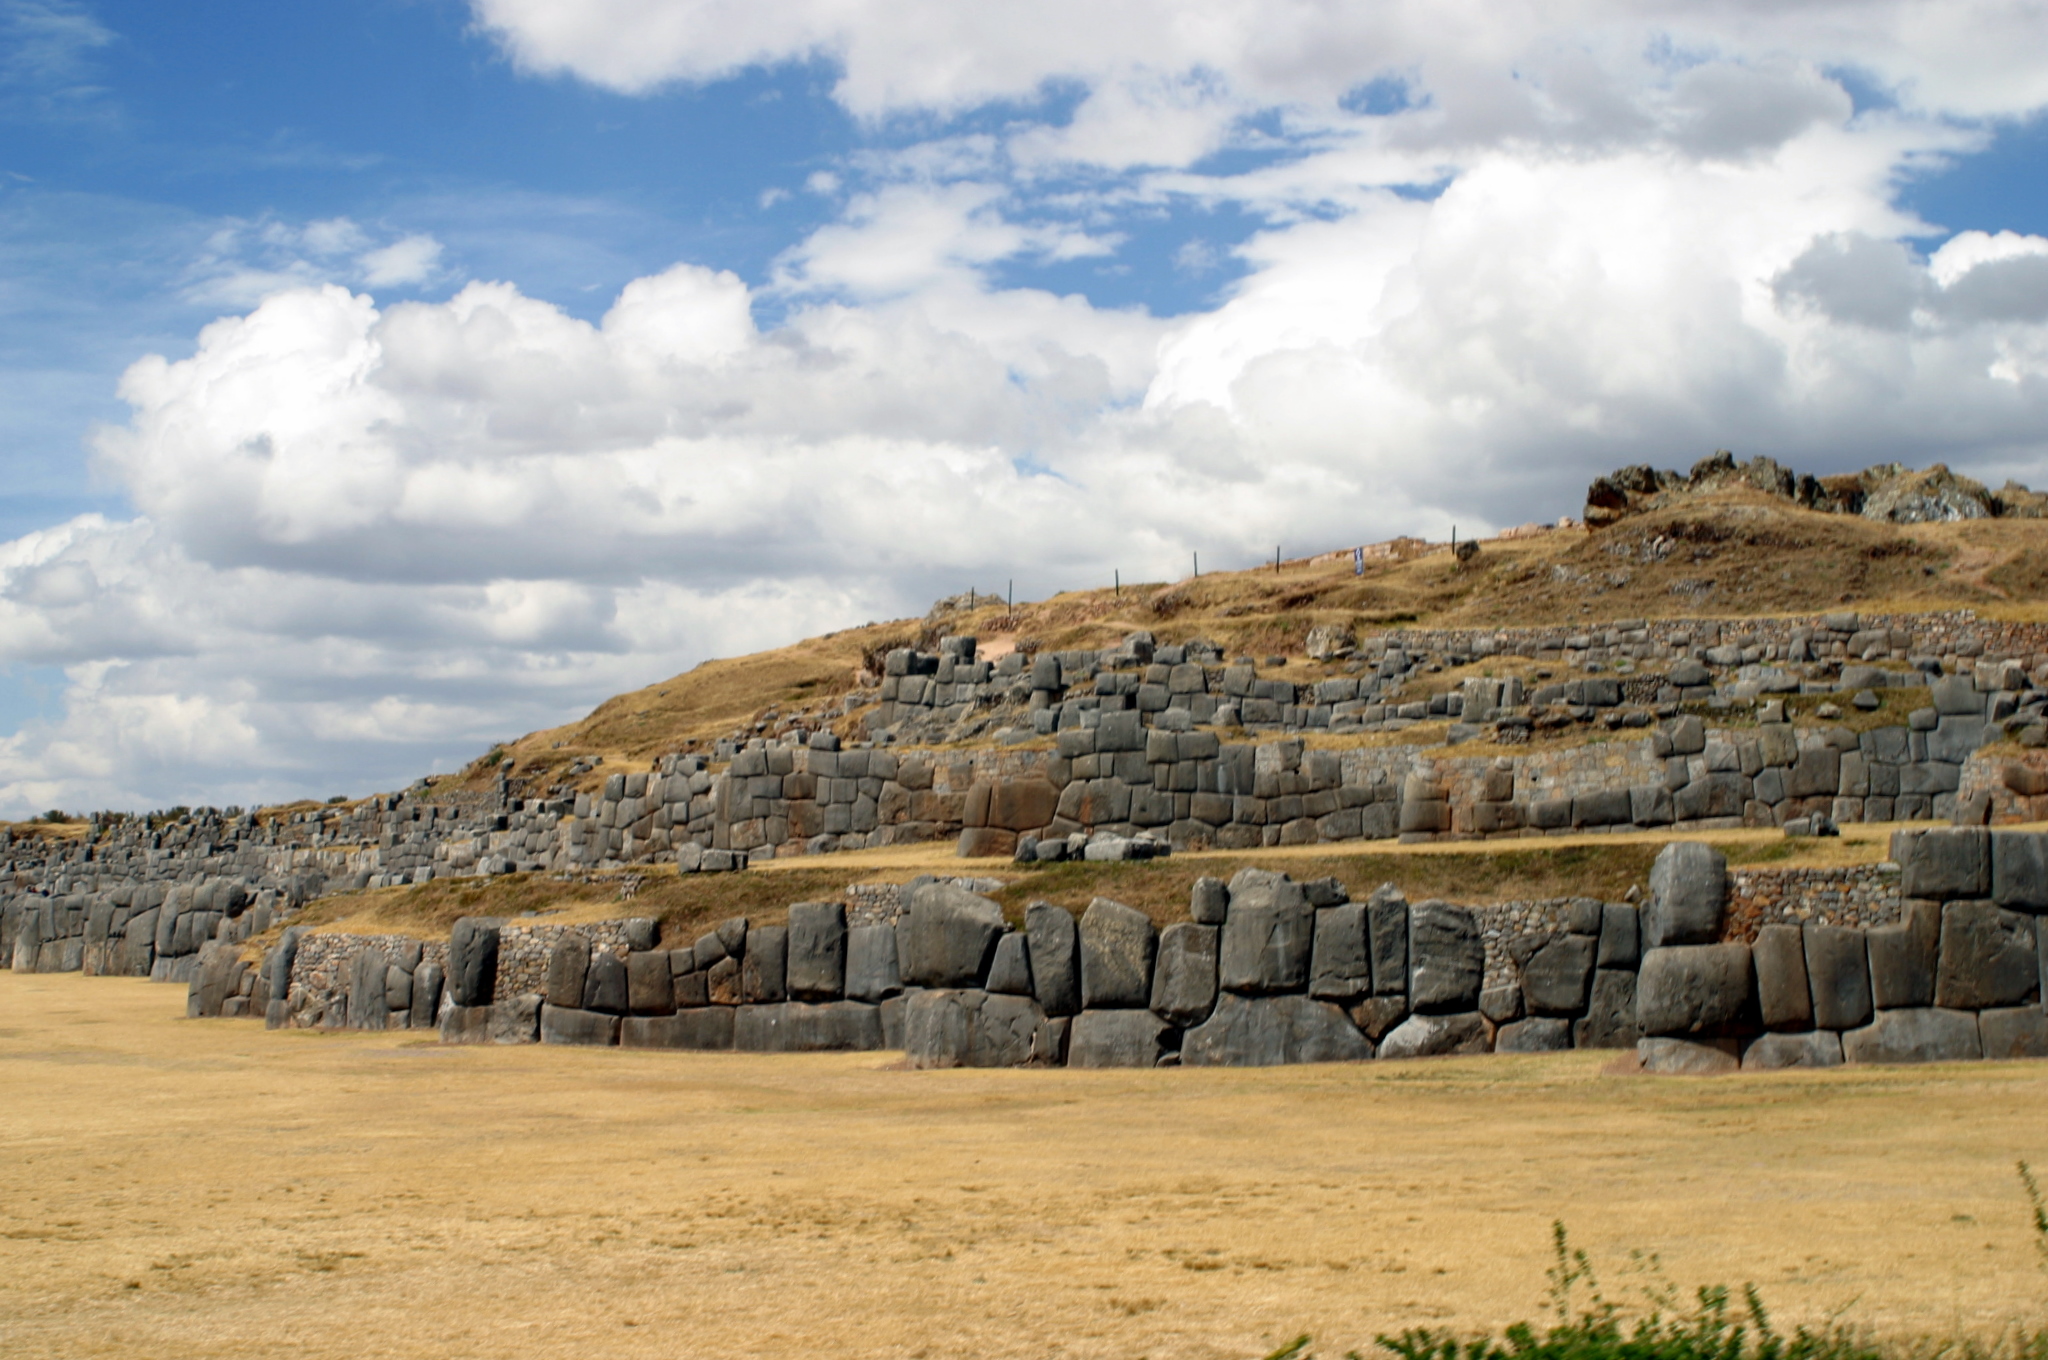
column 969, row 1028
column 473, row 961
column 1902, row 958
column 1010, row 974
column 937, row 1029
column 1268, row 1031
column 1376, row 1016
column 1117, row 947
column 397, row 991
column 1049, row 1045
column 1429, row 1036
column 1784, row 998
column 366, row 978
column 604, row 986
column 2019, row 870
column 1055, row 957
column 1944, row 865
column 709, row 949
column 1620, row 936
column 1005, row 1032
column 514, row 1020
column 1674, row 1057
column 1209, row 901
column 1555, row 979
column 650, row 983
column 1501, row 1004
column 1688, row 888
column 1775, row 1052
column 642, row 933
column 722, row 982
column 1447, row 958
column 1584, row 916
column 1988, row 958
column 1838, row 974
column 1387, row 924
column 464, row 1024
column 2014, row 1032
column 426, row 995
column 1184, row 976
column 732, row 935
column 949, row 937
column 1325, row 892
column 564, row 1025
column 1540, row 1034
column 871, row 973
column 1268, row 935
column 1692, row 989
column 816, row 969
column 1918, row 1034
column 1340, row 966
column 833, row 1027
column 764, row 972
column 1955, row 694
column 1116, row 1039
column 709, row 1028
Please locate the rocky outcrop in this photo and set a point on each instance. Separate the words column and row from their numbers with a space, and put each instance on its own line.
column 1888, row 492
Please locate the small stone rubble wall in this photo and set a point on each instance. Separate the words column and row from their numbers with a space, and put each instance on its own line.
column 1859, row 895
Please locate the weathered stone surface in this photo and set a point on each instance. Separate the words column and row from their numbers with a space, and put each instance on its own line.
column 1117, row 948
column 604, row 985
column 949, row 937
column 705, row 1028
column 426, row 996
column 969, row 1028
column 1501, row 1004
column 937, row 1029
column 1005, row 1031
column 2014, row 1032
column 650, row 983
column 1838, row 974
column 2019, row 870
column 1184, row 976
column 1427, row 1036
column 568, row 968
column 473, row 960
column 1209, row 901
column 1340, row 966
column 567, row 1025
column 1010, row 974
column 1610, row 1019
column 1268, row 1031
column 1620, row 936
column 1267, row 936
column 761, row 1027
column 1555, row 979
column 764, row 972
column 1688, row 888
column 1774, row 1052
column 1784, row 997
column 816, row 967
column 1055, row 957
column 1387, row 921
column 871, row 973
column 1447, row 958
column 1121, row 1038
column 1944, row 865
column 1987, row 958
column 367, row 976
column 463, row 1024
column 722, row 982
column 1538, row 1034
column 1669, row 1056
column 1376, row 1016
column 514, row 1019
column 1692, row 989
column 1902, row 958
column 1919, row 1034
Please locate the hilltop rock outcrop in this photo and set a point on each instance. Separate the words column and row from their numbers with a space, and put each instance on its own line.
column 1888, row 492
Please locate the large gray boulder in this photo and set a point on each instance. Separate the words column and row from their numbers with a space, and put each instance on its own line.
column 1902, row 958
column 871, row 973
column 1620, row 935
column 1538, row 1034
column 1269, row 1031
column 1340, row 967
column 1184, row 976
column 465, row 1025
column 2019, row 870
column 1447, row 958
column 1688, row 888
column 970, row 1028
column 764, row 972
column 1010, row 973
column 1055, row 957
column 1610, row 1020
column 1555, row 979
column 949, row 937
column 514, row 1019
column 1944, row 865
column 605, row 987
column 1988, row 958
column 426, row 995
column 1784, row 997
column 1920, row 1034
column 1121, row 1038
column 1386, row 913
column 1429, row 1036
column 563, row 1025
column 1267, row 936
column 706, row 1028
column 568, row 968
column 1692, row 989
column 367, row 975
column 2014, row 1032
column 1775, row 1052
column 473, row 961
column 1209, row 901
column 1667, row 1055
column 1838, row 972
column 816, row 969
column 1117, row 947
column 650, row 982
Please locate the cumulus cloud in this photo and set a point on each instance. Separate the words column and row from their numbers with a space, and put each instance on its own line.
column 374, row 534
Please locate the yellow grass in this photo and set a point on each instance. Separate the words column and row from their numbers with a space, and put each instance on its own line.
column 174, row 1188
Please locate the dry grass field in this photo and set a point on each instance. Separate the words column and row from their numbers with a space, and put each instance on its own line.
column 173, row 1188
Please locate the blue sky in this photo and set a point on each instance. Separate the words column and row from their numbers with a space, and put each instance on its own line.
column 656, row 329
